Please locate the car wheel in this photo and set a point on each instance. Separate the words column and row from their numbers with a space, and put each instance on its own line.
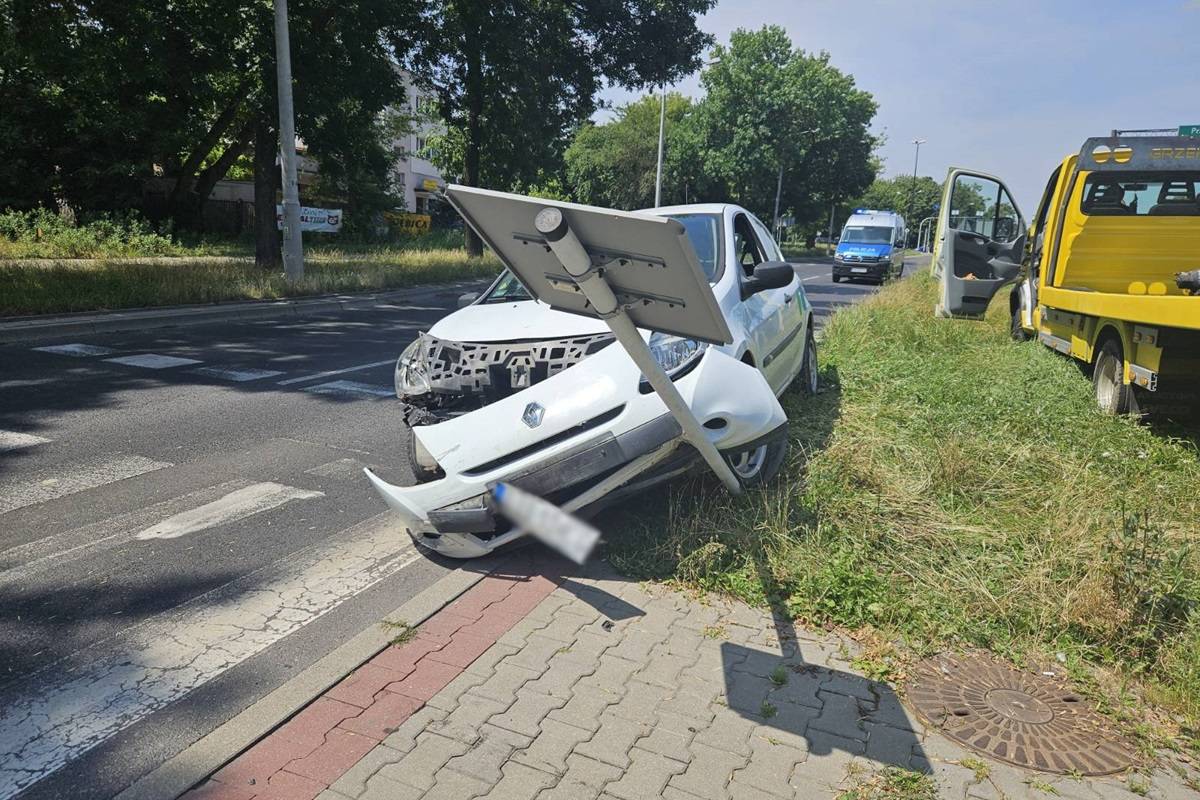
column 810, row 376
column 1113, row 395
column 757, row 465
column 1015, row 328
column 837, row 278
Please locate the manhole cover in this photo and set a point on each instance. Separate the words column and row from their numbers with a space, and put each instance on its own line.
column 1028, row 719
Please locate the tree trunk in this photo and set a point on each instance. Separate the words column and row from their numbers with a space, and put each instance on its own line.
column 187, row 171
column 267, row 252
column 219, row 169
column 474, row 103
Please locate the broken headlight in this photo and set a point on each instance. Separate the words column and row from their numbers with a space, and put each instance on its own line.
column 674, row 353
column 412, row 371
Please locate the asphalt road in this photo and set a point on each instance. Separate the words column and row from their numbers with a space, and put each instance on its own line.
column 184, row 526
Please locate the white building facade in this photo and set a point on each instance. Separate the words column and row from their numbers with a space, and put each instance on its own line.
column 413, row 174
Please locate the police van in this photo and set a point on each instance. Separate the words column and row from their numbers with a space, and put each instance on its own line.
column 871, row 247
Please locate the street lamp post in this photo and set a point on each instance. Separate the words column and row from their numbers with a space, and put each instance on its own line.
column 293, row 247
column 912, row 192
column 662, row 127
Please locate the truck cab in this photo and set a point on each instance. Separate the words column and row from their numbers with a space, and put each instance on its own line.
column 871, row 247
column 1106, row 273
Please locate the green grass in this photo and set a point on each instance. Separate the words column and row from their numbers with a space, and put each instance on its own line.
column 57, row 287
column 953, row 488
column 889, row 783
column 798, row 250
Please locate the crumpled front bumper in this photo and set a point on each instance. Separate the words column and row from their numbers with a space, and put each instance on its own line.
column 595, row 419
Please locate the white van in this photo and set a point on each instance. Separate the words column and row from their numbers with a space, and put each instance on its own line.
column 871, row 247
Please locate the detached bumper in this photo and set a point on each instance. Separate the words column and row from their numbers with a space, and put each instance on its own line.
column 595, row 421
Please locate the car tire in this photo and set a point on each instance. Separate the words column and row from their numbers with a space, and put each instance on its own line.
column 810, row 376
column 1113, row 395
column 837, row 278
column 1015, row 329
column 756, row 466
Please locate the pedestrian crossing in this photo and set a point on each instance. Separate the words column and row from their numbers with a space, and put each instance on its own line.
column 233, row 374
column 58, row 713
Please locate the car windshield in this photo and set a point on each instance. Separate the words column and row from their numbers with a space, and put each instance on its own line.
column 867, row 234
column 703, row 231
column 1142, row 194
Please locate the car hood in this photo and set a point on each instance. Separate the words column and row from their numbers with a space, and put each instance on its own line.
column 507, row 322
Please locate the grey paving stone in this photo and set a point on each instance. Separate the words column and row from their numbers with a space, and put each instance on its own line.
column 381, row 787
column 890, row 711
column 489, row 753
column 729, row 731
column 760, row 662
column 823, row 771
column 526, row 714
column 585, row 707
column 587, row 775
column 330, row 794
column 560, row 679
column 485, row 665
column 688, row 703
column 563, row 627
column 448, row 698
column 521, row 783
column 587, row 647
column 646, row 777
column 611, row 676
column 662, row 669
column 746, row 693
column 404, row 738
column 953, row 780
column 451, row 785
column 770, row 767
column 549, row 751
column 801, row 689
column 709, row 772
column 890, row 746
column 637, row 645
column 504, row 684
column 852, row 685
column 535, row 655
column 549, row 609
column 464, row 722
column 612, row 742
column 353, row 781
column 421, row 764
column 744, row 791
column 518, row 634
column 641, row 702
column 668, row 743
column 839, row 716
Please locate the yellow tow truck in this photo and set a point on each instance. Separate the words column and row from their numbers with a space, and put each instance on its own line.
column 1108, row 272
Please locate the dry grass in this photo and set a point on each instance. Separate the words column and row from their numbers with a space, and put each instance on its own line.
column 39, row 288
column 952, row 488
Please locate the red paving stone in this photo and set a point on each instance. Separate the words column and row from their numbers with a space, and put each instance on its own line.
column 360, row 687
column 302, row 757
column 341, row 751
column 384, row 716
column 317, row 719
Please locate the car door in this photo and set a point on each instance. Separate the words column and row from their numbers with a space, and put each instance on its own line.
column 776, row 316
column 979, row 242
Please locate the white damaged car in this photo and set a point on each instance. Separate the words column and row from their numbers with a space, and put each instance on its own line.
column 508, row 389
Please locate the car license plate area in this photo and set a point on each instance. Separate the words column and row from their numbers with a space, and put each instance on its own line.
column 858, row 269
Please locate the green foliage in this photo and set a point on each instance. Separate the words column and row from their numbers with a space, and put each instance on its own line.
column 614, row 164
column 43, row 234
column 915, row 201
column 889, row 783
column 955, row 488
column 767, row 106
column 779, row 675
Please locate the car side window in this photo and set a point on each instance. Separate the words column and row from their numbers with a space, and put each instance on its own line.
column 769, row 248
column 746, row 247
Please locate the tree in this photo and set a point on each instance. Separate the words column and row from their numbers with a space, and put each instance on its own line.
column 515, row 78
column 915, row 201
column 614, row 164
column 778, row 120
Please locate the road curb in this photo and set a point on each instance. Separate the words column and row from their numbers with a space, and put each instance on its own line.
column 26, row 329
column 190, row 766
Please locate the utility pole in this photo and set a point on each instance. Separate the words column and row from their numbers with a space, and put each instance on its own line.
column 293, row 246
column 912, row 192
column 662, row 127
column 778, row 190
column 832, row 207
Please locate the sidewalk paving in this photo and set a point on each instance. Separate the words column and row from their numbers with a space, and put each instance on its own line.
column 580, row 684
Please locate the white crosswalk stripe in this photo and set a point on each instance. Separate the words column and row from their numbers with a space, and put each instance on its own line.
column 236, row 505
column 85, row 475
column 352, row 388
column 153, row 361
column 318, row 375
column 55, row 716
column 77, row 349
column 14, row 440
column 237, row 375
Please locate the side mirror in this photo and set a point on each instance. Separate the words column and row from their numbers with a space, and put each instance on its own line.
column 768, row 275
column 467, row 299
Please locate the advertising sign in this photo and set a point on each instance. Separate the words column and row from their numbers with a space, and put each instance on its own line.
column 327, row 220
column 409, row 224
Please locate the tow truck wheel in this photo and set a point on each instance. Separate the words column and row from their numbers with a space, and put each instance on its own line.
column 1015, row 328
column 1113, row 394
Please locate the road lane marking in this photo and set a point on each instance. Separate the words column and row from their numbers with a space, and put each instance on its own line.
column 813, row 278
column 153, row 361
column 343, row 467
column 87, row 475
column 13, row 440
column 318, row 375
column 57, row 714
column 239, row 504
column 77, row 349
column 238, row 375
column 352, row 388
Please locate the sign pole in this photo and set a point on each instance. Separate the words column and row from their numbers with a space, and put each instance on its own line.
column 293, row 247
column 567, row 248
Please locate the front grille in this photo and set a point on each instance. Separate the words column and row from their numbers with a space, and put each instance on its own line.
column 498, row 369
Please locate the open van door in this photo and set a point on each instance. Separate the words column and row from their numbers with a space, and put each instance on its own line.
column 979, row 243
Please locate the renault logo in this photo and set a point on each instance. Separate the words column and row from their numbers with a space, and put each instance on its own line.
column 533, row 415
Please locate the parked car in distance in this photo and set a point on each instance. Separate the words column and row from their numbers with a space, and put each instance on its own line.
column 509, row 389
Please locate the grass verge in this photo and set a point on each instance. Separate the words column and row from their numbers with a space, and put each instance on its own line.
column 953, row 488
column 28, row 288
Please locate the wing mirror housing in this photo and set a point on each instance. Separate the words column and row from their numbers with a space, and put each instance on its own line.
column 467, row 299
column 768, row 275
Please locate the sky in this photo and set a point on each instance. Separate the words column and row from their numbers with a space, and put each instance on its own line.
column 1009, row 87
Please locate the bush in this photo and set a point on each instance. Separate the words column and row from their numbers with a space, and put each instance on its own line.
column 41, row 233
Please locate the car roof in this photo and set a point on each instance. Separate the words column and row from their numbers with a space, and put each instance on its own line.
column 692, row 208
